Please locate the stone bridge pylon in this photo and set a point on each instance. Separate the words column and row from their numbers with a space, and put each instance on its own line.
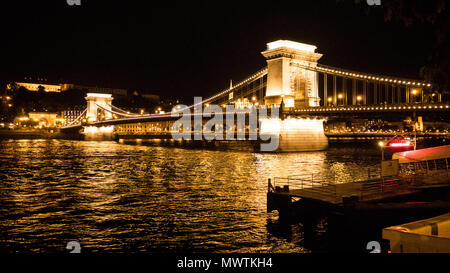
column 94, row 112
column 287, row 80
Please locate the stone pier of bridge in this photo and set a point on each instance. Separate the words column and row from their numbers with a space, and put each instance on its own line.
column 98, row 108
column 290, row 84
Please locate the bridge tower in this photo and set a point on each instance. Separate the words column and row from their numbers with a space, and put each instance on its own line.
column 94, row 100
column 286, row 77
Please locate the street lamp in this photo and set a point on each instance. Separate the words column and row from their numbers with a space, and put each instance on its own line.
column 330, row 99
column 413, row 93
column 358, row 99
column 340, row 96
column 381, row 144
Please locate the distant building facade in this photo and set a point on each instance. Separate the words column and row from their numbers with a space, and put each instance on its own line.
column 45, row 119
column 36, row 86
column 151, row 98
column 96, row 89
column 70, row 115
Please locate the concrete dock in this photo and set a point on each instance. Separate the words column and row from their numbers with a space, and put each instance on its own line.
column 307, row 196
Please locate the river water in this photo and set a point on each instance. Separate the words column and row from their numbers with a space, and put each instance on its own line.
column 114, row 198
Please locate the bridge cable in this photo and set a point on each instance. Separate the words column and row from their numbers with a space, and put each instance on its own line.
column 73, row 122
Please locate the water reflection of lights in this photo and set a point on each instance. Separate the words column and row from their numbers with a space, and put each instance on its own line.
column 94, row 129
column 115, row 197
column 273, row 126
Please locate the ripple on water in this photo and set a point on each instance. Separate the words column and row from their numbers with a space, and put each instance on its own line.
column 130, row 198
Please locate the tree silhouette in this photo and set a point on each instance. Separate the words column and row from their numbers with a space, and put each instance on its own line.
column 41, row 89
column 431, row 13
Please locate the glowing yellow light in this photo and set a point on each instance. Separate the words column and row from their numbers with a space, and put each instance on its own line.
column 98, row 95
column 340, row 96
column 330, row 99
column 291, row 45
column 253, row 98
column 414, row 91
column 381, row 143
column 358, row 98
column 274, row 126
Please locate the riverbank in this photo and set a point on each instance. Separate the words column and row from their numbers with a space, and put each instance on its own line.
column 30, row 134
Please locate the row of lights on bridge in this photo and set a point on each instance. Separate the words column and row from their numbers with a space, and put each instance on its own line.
column 370, row 77
column 371, row 108
column 253, row 77
column 359, row 98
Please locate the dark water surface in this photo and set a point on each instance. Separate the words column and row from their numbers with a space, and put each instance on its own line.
column 114, row 197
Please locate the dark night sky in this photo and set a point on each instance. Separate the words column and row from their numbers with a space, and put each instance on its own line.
column 187, row 48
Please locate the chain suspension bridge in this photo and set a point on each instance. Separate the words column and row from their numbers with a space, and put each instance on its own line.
column 306, row 92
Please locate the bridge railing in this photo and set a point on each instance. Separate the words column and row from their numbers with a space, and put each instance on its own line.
column 311, row 185
column 377, row 107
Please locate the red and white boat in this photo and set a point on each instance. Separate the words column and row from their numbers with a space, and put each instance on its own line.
column 400, row 143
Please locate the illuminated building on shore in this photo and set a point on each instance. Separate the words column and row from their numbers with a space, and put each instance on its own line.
column 40, row 119
column 144, row 128
column 39, row 86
